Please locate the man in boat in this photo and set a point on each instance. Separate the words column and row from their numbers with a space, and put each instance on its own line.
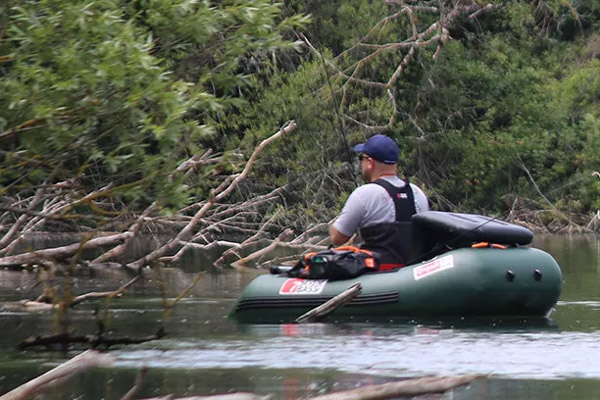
column 381, row 209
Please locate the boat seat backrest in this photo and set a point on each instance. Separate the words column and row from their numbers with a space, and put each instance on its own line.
column 437, row 232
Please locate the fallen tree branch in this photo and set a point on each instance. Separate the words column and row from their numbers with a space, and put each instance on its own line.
column 242, row 262
column 223, row 190
column 111, row 294
column 137, row 387
column 44, row 301
column 594, row 223
column 92, row 340
column 7, row 238
column 330, row 305
column 62, row 252
column 27, row 305
column 229, row 396
column 555, row 210
column 120, row 249
column 409, row 387
column 404, row 388
column 78, row 364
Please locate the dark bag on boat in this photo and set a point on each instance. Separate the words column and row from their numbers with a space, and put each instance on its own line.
column 336, row 264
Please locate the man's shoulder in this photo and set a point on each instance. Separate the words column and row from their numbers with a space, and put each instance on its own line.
column 368, row 188
column 365, row 192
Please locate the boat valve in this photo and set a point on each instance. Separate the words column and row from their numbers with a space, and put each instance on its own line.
column 537, row 274
column 510, row 275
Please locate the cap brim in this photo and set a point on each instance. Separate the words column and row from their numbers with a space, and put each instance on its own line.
column 359, row 148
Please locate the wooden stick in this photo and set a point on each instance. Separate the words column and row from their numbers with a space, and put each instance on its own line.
column 409, row 387
column 330, row 305
column 230, row 396
column 62, row 252
column 137, row 387
column 80, row 363
column 113, row 293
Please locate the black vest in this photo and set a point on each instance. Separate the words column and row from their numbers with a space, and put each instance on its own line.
column 393, row 240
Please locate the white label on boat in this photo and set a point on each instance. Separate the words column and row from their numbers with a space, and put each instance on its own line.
column 432, row 267
column 302, row 286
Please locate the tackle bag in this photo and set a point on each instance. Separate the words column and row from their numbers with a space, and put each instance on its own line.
column 335, row 264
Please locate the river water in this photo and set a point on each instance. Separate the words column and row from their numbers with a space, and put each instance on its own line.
column 207, row 353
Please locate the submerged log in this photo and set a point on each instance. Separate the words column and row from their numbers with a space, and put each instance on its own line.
column 44, row 301
column 27, row 306
column 330, row 305
column 90, row 340
column 230, row 396
column 137, row 387
column 78, row 364
column 409, row 387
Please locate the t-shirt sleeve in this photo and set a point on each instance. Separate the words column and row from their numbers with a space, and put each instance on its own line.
column 353, row 212
column 421, row 201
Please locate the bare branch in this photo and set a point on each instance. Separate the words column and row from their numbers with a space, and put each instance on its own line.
column 556, row 210
column 405, row 388
column 435, row 34
column 111, row 294
column 272, row 246
column 218, row 194
column 133, row 229
column 330, row 305
column 64, row 251
column 21, row 220
column 78, row 364
column 134, row 392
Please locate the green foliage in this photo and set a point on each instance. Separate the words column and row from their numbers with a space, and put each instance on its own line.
column 115, row 91
column 122, row 92
column 508, row 109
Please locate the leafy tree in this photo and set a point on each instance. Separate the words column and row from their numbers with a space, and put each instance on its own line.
column 115, row 94
column 500, row 116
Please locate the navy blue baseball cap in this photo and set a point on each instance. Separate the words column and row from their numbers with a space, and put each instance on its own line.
column 380, row 147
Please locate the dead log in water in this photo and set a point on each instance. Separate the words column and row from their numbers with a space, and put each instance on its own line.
column 84, row 361
column 229, row 396
column 45, row 302
column 94, row 341
column 330, row 305
column 408, row 387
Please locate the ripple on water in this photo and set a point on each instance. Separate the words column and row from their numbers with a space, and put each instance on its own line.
column 533, row 355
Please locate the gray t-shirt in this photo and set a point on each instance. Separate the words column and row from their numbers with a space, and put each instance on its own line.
column 371, row 204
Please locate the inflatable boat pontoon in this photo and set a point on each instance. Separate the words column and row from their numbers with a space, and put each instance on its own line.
column 481, row 267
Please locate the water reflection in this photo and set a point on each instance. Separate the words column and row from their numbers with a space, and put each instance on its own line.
column 205, row 352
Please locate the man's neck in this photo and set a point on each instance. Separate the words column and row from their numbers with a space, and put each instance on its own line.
column 383, row 175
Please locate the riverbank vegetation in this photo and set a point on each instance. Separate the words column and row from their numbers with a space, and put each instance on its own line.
column 227, row 125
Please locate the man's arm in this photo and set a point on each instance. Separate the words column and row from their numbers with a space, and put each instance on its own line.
column 349, row 219
column 337, row 237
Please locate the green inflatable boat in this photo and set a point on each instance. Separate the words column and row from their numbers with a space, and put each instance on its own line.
column 470, row 265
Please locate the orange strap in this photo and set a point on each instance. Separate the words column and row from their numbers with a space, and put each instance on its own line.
column 354, row 249
column 481, row 245
column 309, row 255
column 351, row 248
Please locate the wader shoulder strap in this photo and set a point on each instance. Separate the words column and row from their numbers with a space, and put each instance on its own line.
column 404, row 199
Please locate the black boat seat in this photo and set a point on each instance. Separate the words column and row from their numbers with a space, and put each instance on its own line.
column 438, row 231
